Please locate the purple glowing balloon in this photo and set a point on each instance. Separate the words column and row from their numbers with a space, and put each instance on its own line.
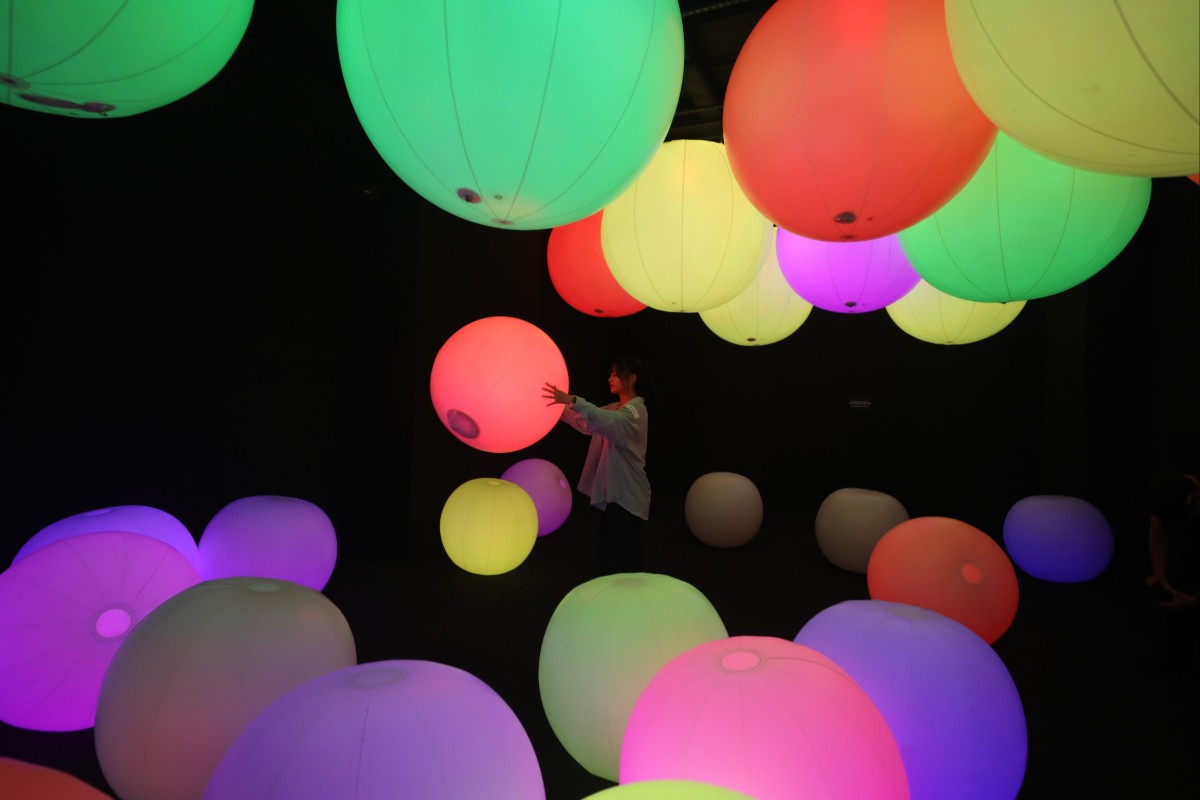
column 268, row 536
column 127, row 519
column 1056, row 538
column 385, row 729
column 947, row 697
column 846, row 277
column 67, row 607
column 547, row 485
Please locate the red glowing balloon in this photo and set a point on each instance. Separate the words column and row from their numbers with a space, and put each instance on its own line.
column 848, row 120
column 947, row 566
column 581, row 275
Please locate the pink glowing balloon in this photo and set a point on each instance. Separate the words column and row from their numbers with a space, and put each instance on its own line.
column 849, row 121
column 581, row 275
column 487, row 380
column 67, row 607
column 847, row 277
column 548, row 487
column 129, row 519
column 267, row 536
column 763, row 716
column 19, row 779
column 385, row 729
column 946, row 695
column 949, row 567
column 198, row 669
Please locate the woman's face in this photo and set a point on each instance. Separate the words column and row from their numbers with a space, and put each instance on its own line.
column 617, row 384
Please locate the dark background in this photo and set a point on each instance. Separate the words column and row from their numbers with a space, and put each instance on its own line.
column 233, row 295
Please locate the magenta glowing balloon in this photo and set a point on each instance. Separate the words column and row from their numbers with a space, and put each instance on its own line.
column 267, row 536
column 846, row 277
column 487, row 381
column 947, row 566
column 1056, row 538
column 413, row 729
column 764, row 716
column 199, row 669
column 130, row 519
column 546, row 484
column 946, row 695
column 67, row 607
column 580, row 273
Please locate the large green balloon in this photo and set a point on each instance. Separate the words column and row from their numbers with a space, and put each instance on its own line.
column 1025, row 227
column 529, row 114
column 114, row 58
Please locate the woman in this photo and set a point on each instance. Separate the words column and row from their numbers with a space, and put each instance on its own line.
column 614, row 474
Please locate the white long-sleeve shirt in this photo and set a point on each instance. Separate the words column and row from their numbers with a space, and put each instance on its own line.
column 615, row 469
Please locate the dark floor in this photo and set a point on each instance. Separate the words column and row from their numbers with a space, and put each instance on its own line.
column 1105, row 719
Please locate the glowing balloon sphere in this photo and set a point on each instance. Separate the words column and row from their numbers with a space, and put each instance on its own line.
column 268, row 536
column 1056, row 538
column 723, row 509
column 487, row 379
column 66, row 609
column 846, row 277
column 548, row 488
column 605, row 641
column 949, row 567
column 580, row 274
column 767, row 311
column 764, row 716
column 414, row 729
column 933, row 316
column 489, row 526
column 1113, row 89
column 111, row 58
column 667, row 790
column 35, row 782
column 946, row 695
column 198, row 669
column 850, row 121
column 1026, row 227
column 684, row 237
column 131, row 519
column 851, row 521
column 521, row 115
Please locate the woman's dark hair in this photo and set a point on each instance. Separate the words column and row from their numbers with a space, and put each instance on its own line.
column 627, row 365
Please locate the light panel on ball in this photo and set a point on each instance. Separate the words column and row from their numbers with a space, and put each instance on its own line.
column 487, row 379
column 514, row 115
column 113, row 58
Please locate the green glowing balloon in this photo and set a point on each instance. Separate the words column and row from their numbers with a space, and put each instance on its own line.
column 1025, row 227
column 524, row 115
column 114, row 58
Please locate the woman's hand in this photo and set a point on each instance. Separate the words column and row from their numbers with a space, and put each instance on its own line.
column 556, row 395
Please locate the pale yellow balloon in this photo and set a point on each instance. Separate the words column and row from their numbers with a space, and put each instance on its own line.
column 1108, row 87
column 489, row 526
column 931, row 315
column 684, row 236
column 767, row 311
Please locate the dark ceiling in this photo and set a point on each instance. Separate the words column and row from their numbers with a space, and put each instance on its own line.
column 713, row 30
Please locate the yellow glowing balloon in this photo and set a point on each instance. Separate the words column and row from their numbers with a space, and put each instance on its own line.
column 684, row 237
column 1108, row 87
column 931, row 315
column 489, row 526
column 767, row 311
